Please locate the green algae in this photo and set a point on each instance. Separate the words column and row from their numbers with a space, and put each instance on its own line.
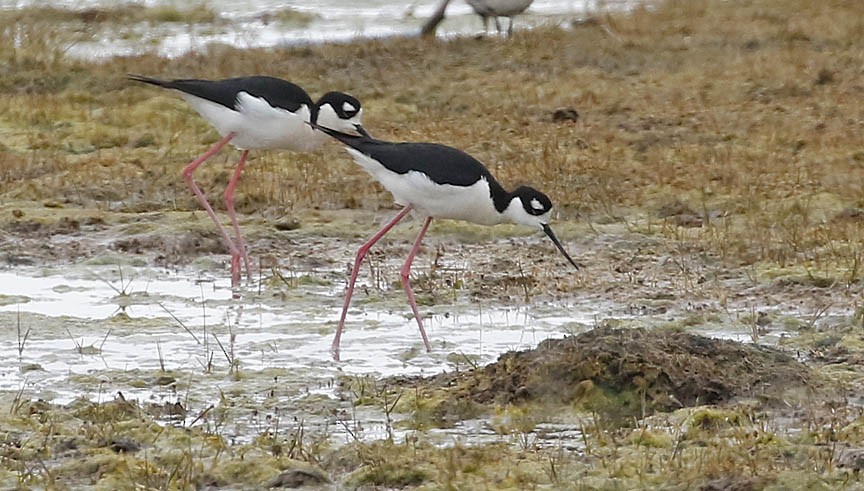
column 13, row 299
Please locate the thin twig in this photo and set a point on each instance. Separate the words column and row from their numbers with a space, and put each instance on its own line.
column 180, row 322
column 21, row 341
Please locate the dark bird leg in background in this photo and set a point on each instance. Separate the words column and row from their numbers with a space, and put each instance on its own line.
column 432, row 24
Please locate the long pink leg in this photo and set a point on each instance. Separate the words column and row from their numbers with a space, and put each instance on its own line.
column 229, row 205
column 406, row 282
column 361, row 253
column 187, row 176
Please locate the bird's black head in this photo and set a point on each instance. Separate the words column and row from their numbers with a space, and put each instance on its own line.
column 339, row 111
column 344, row 105
column 535, row 210
column 535, row 203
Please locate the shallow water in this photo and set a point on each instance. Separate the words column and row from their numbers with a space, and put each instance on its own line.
column 252, row 24
column 93, row 335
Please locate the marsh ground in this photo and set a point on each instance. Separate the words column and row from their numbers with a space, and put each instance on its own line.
column 711, row 182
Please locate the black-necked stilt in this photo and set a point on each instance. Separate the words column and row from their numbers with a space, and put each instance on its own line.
column 498, row 8
column 261, row 113
column 438, row 182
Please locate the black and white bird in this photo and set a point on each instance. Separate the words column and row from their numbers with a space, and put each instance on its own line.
column 437, row 181
column 498, row 8
column 257, row 113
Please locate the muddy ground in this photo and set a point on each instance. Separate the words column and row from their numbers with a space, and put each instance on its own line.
column 704, row 158
column 655, row 378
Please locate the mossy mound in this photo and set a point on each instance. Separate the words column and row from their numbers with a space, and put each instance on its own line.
column 633, row 372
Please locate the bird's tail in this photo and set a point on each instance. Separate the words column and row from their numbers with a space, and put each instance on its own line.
column 147, row 80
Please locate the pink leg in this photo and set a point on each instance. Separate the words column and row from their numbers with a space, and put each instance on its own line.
column 361, row 253
column 187, row 176
column 229, row 205
column 406, row 271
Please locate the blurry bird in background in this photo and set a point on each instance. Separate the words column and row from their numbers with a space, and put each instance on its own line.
column 485, row 9
column 498, row 8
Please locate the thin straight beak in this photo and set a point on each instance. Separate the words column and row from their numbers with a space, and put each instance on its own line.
column 551, row 234
column 361, row 131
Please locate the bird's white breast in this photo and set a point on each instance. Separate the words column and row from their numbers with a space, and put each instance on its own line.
column 259, row 125
column 499, row 7
column 470, row 203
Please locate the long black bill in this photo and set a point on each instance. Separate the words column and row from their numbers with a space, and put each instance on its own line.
column 551, row 234
column 362, row 131
column 359, row 131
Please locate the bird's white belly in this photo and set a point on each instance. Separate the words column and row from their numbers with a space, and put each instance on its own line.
column 500, row 7
column 470, row 203
column 260, row 126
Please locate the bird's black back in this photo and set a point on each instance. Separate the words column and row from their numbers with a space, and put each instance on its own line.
column 277, row 92
column 443, row 164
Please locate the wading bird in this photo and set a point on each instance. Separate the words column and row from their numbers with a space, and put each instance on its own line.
column 257, row 113
column 437, row 181
column 498, row 8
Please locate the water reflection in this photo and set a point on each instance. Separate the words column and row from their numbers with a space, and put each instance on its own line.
column 94, row 336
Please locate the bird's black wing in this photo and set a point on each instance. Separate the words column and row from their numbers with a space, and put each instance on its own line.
column 443, row 164
column 277, row 92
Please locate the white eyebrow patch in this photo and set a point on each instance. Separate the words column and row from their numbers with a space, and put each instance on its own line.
column 348, row 107
column 536, row 204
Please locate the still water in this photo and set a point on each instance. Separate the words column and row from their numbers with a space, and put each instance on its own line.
column 255, row 23
column 93, row 332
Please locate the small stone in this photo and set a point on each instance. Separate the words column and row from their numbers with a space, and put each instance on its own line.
column 295, row 478
column 30, row 367
column 165, row 380
column 825, row 76
column 287, row 224
column 688, row 221
column 565, row 114
column 852, row 459
column 124, row 445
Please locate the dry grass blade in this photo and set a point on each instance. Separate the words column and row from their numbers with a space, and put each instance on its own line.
column 182, row 324
column 22, row 339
